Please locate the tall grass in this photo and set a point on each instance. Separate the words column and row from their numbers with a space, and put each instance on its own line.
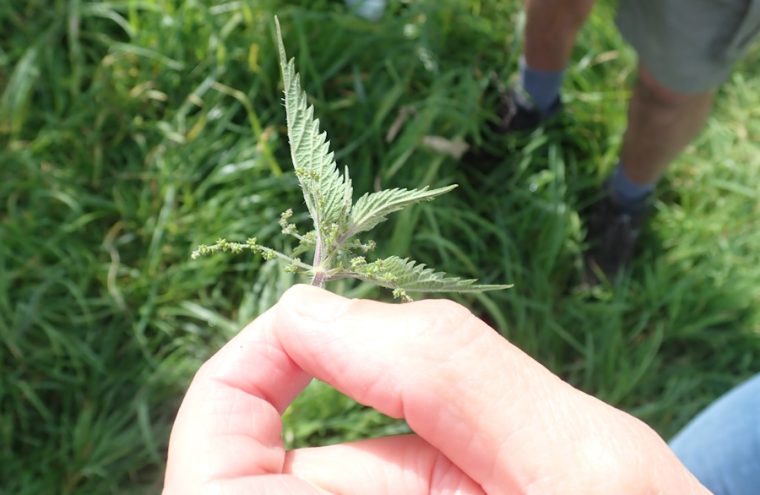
column 133, row 130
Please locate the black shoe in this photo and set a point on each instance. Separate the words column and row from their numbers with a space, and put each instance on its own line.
column 514, row 114
column 612, row 232
column 517, row 114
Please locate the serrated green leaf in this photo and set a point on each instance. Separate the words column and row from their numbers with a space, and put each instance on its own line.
column 328, row 195
column 408, row 275
column 374, row 208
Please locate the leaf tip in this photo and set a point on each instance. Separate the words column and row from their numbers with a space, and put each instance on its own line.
column 280, row 44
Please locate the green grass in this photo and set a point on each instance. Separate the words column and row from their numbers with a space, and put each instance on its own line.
column 131, row 131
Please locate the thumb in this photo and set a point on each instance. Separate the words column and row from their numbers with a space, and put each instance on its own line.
column 505, row 420
column 458, row 384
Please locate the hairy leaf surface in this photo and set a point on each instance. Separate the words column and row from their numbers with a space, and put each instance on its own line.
column 407, row 274
column 373, row 208
column 328, row 195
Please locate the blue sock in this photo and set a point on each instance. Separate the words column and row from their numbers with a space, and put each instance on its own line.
column 542, row 86
column 628, row 194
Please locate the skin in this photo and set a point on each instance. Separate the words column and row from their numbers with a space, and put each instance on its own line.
column 550, row 30
column 486, row 417
column 661, row 121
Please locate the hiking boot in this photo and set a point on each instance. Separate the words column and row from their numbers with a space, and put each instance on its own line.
column 516, row 113
column 612, row 232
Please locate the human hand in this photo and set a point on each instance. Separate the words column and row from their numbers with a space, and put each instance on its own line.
column 487, row 418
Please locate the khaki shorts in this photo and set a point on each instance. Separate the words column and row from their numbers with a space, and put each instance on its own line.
column 689, row 46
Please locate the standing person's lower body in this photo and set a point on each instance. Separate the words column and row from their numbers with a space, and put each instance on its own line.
column 686, row 49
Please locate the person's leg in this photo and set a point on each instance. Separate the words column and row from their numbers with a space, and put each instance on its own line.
column 721, row 446
column 550, row 30
column 661, row 123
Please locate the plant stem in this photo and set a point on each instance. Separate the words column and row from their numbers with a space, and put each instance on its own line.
column 319, row 273
column 318, row 280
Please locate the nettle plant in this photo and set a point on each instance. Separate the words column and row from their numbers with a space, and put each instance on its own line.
column 337, row 251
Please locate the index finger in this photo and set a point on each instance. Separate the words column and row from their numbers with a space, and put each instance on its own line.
column 229, row 425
